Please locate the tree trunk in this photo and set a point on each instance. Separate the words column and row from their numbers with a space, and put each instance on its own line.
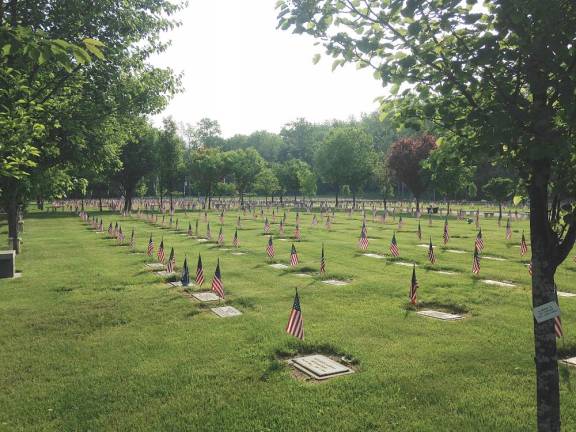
column 353, row 200
column 241, row 198
column 417, row 203
column 100, row 204
column 448, row 210
column 337, row 193
column 500, row 210
column 12, row 213
column 128, row 201
column 543, row 270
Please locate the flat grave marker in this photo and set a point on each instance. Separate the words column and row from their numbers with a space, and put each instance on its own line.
column 565, row 294
column 440, row 315
column 373, row 255
column 444, row 272
column 226, row 311
column 320, row 367
column 335, row 282
column 491, row 258
column 455, row 251
column 405, row 264
column 238, row 253
column 164, row 273
column 202, row 240
column 498, row 283
column 206, row 296
column 155, row 266
column 302, row 275
column 569, row 361
column 279, row 266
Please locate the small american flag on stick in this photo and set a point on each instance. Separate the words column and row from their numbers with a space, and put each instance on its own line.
column 523, row 245
column 508, row 230
column 208, row 233
column 270, row 248
column 132, row 240
column 266, row 226
column 185, row 278
column 431, row 256
column 235, row 241
column 150, row 249
column 363, row 241
column 217, row 285
column 160, row 254
column 558, row 331
column 189, row 229
column 293, row 256
column 220, row 238
column 297, row 233
column 476, row 262
column 199, row 272
column 295, row 325
column 394, row 246
column 322, row 261
column 413, row 287
column 479, row 243
column 446, row 234
column 419, row 231
column 171, row 262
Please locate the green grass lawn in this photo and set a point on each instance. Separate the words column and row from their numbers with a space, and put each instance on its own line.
column 90, row 340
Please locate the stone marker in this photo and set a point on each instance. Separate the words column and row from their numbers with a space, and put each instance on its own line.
column 201, row 240
column 176, row 284
column 238, row 253
column 279, row 266
column 569, row 361
column 226, row 311
column 164, row 273
column 206, row 296
column 7, row 264
column 455, row 251
column 302, row 275
column 335, row 282
column 498, row 283
column 155, row 266
column 281, row 239
column 491, row 258
column 424, row 246
column 439, row 315
column 445, row 272
column 406, row 264
column 372, row 255
column 319, row 366
column 224, row 249
column 565, row 294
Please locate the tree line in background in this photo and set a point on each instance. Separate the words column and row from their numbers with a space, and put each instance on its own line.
column 350, row 157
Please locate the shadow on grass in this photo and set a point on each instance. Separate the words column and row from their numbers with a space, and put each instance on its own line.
column 454, row 308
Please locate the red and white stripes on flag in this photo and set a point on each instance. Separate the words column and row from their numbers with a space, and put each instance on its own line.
column 295, row 326
column 476, row 261
column 322, row 261
column 266, row 226
column 446, row 233
column 508, row 230
column 363, row 241
column 558, row 331
column 523, row 245
column 293, row 256
column 270, row 248
column 171, row 262
column 431, row 256
column 199, row 272
column 479, row 243
column 220, row 238
column 235, row 241
column 413, row 286
column 217, row 285
column 394, row 246
column 161, row 254
column 297, row 233
column 150, row 249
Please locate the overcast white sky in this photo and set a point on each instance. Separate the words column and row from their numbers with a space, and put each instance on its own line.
column 241, row 71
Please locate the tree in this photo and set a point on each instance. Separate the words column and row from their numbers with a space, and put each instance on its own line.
column 346, row 157
column 500, row 79
column 245, row 165
column 449, row 173
column 170, row 158
column 207, row 134
column 207, row 167
column 138, row 160
column 291, row 175
column 266, row 183
column 301, row 138
column 499, row 189
column 405, row 159
column 384, row 180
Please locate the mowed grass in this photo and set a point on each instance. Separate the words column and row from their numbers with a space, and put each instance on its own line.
column 90, row 340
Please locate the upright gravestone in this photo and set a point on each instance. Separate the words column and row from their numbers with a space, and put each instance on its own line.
column 7, row 264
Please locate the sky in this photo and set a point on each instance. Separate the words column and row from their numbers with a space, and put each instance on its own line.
column 240, row 70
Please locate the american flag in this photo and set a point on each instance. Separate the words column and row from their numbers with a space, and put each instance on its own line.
column 419, row 231
column 431, row 256
column 110, row 230
column 170, row 221
column 266, row 226
column 150, row 249
column 208, row 233
column 217, row 285
column 281, row 227
column 189, row 229
column 523, row 245
column 508, row 230
column 479, row 243
column 176, row 226
column 364, row 228
column 160, row 253
column 120, row 236
column 363, row 241
column 205, row 217
column 314, row 220
column 476, row 262
column 199, row 272
column 196, row 228
column 394, row 246
column 270, row 248
column 413, row 287
column 116, row 229
column 222, row 217
column 185, row 278
column 477, row 218
column 238, row 222
column 171, row 262
column 273, row 216
column 558, row 331
column 101, row 226
column 328, row 223
column 295, row 325
column 446, row 234
column 163, row 219
column 235, row 241
column 530, row 268
column 132, row 240
column 297, row 218
column 297, row 233
column 322, row 261
column 293, row 256
column 220, row 238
